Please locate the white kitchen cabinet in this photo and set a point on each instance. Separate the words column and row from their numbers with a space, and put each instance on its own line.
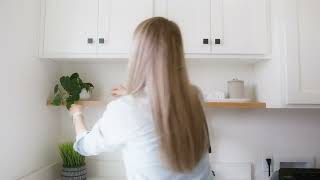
column 292, row 77
column 68, row 26
column 241, row 26
column 302, row 54
column 88, row 28
column 104, row 28
column 232, row 27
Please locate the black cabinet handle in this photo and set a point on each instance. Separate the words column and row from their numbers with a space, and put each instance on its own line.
column 217, row 41
column 205, row 41
column 90, row 41
column 101, row 40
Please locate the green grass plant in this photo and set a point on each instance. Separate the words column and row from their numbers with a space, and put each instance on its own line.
column 70, row 158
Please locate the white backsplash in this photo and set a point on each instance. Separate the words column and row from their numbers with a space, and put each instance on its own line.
column 238, row 136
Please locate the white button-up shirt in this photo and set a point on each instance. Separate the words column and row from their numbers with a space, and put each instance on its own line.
column 127, row 125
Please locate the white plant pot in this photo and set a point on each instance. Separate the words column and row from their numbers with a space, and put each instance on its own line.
column 85, row 95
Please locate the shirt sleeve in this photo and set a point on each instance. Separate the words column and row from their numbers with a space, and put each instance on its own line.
column 109, row 134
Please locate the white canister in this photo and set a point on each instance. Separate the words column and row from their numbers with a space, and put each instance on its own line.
column 85, row 95
column 236, row 89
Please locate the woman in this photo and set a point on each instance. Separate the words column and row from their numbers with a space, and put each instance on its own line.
column 158, row 120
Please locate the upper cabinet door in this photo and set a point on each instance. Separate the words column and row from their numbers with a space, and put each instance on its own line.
column 70, row 27
column 117, row 22
column 302, row 27
column 240, row 26
column 193, row 18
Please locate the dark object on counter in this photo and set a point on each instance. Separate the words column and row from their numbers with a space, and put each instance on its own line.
column 269, row 166
column 299, row 174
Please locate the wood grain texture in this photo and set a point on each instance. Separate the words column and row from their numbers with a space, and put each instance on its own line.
column 237, row 105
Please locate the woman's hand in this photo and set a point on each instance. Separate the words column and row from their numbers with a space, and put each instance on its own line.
column 119, row 91
column 75, row 108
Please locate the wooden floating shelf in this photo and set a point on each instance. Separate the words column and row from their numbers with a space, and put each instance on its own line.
column 237, row 105
column 220, row 105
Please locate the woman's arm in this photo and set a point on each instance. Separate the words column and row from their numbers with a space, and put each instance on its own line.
column 76, row 110
column 105, row 134
column 110, row 132
column 87, row 143
column 77, row 117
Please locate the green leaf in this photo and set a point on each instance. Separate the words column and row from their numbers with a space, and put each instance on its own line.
column 74, row 76
column 80, row 82
column 69, row 104
column 87, row 86
column 56, row 88
column 87, row 89
column 75, row 97
column 72, row 99
column 75, row 87
column 72, row 86
column 65, row 82
column 57, row 100
column 90, row 85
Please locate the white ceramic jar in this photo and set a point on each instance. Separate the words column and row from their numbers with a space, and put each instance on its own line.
column 236, row 89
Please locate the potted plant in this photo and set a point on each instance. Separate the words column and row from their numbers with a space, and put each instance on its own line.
column 74, row 166
column 71, row 89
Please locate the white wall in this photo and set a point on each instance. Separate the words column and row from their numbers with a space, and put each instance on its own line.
column 29, row 129
column 247, row 136
column 238, row 135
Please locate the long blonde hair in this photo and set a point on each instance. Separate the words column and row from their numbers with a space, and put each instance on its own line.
column 158, row 63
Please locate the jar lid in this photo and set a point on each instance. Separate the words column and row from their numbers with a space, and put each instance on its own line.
column 236, row 80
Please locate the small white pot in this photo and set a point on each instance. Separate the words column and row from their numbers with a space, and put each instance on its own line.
column 236, row 89
column 85, row 95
